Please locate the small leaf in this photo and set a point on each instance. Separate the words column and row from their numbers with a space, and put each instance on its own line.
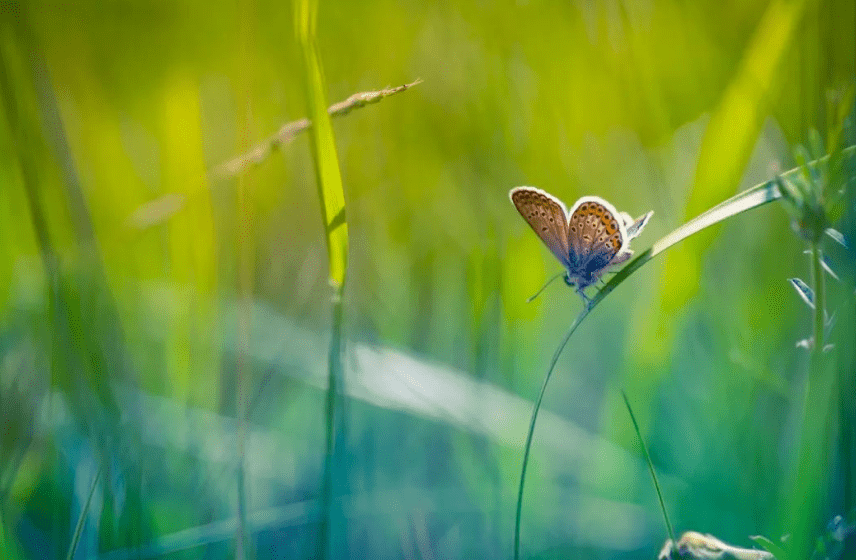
column 771, row 547
column 808, row 344
column 805, row 292
column 837, row 236
column 824, row 262
column 828, row 324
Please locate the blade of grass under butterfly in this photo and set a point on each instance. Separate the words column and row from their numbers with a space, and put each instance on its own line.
column 751, row 198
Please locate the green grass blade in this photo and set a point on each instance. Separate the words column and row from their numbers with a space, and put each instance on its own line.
column 751, row 198
column 78, row 530
column 329, row 177
column 650, row 467
column 332, row 197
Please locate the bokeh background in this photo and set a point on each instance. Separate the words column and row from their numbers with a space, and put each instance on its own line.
column 165, row 332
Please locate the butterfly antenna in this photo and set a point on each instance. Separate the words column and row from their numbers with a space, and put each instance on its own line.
column 550, row 281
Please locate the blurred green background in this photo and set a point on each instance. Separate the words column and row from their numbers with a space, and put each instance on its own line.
column 135, row 337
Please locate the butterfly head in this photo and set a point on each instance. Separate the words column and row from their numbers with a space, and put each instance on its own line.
column 579, row 281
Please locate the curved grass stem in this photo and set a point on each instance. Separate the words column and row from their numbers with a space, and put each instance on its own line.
column 528, row 446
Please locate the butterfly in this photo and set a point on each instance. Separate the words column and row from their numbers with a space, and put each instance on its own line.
column 588, row 240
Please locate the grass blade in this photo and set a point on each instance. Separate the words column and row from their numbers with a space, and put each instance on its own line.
column 332, row 197
column 78, row 530
column 534, row 419
column 329, row 177
column 650, row 467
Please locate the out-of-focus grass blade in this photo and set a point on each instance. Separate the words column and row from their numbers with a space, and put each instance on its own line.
column 732, row 134
column 78, row 530
column 837, row 236
column 332, row 197
column 328, row 175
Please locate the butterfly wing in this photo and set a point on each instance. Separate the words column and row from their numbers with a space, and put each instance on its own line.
column 635, row 228
column 547, row 216
column 596, row 234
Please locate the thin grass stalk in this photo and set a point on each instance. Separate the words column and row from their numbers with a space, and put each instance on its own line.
column 650, row 468
column 78, row 529
column 529, row 435
column 819, row 300
column 242, row 393
column 291, row 130
column 754, row 197
column 333, row 380
column 807, row 489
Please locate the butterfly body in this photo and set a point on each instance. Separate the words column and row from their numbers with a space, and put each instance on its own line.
column 588, row 240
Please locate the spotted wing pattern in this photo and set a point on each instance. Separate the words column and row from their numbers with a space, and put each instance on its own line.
column 547, row 217
column 594, row 236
